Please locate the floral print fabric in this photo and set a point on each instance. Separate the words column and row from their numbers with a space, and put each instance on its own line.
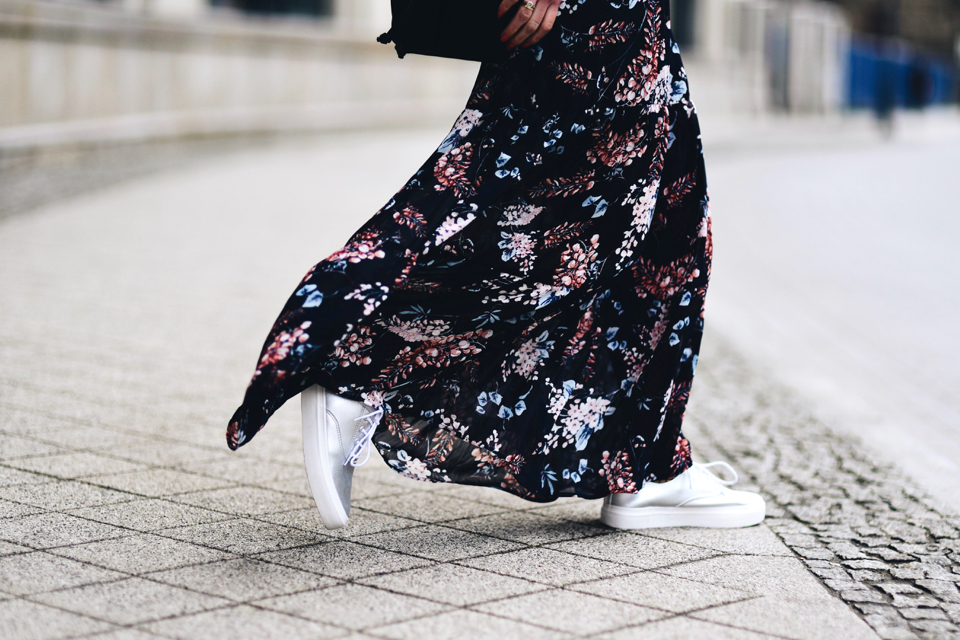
column 528, row 309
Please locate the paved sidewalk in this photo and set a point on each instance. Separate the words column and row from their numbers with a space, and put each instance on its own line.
column 131, row 320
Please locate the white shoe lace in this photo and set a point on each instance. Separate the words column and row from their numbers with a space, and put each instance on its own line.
column 705, row 468
column 363, row 439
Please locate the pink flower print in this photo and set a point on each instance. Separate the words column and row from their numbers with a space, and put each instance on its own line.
column 519, row 215
column 576, row 263
column 451, row 171
column 618, row 472
column 351, row 348
column 410, row 217
column 280, row 348
column 518, row 247
column 467, row 121
column 417, row 330
column 451, row 226
column 616, row 149
column 363, row 246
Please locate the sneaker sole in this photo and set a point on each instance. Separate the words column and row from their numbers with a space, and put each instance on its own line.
column 662, row 517
column 313, row 405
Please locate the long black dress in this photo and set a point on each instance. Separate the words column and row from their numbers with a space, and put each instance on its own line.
column 528, row 309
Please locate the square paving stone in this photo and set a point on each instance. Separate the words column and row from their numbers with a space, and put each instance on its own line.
column 682, row 628
column 362, row 522
column 345, row 559
column 547, row 566
column 571, row 612
column 28, row 573
column 8, row 548
column 367, row 487
column 437, row 543
column 13, row 447
column 56, row 530
column 243, row 579
column 130, row 601
column 428, row 507
column 757, row 575
column 64, row 495
column 297, row 487
column 656, row 590
column 276, row 448
column 126, row 633
column 486, row 495
column 354, row 606
column 141, row 553
column 759, row 540
column 25, row 619
column 242, row 470
column 467, row 625
column 24, row 422
column 10, row 476
column 168, row 454
column 585, row 512
column 245, row 501
column 527, row 527
column 453, row 584
column 244, row 622
column 634, row 550
column 151, row 515
column 16, row 510
column 792, row 619
column 245, row 537
column 75, row 464
column 91, row 438
column 159, row 482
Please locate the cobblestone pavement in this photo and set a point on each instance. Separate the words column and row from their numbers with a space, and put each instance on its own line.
column 876, row 540
column 131, row 319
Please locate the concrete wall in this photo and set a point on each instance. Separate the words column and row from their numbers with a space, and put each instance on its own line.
column 757, row 56
column 80, row 72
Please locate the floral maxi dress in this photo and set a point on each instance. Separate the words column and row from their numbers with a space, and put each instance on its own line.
column 528, row 309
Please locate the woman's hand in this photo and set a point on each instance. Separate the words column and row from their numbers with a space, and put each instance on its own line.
column 533, row 21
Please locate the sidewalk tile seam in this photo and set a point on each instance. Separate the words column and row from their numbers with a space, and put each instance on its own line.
column 76, row 613
column 252, row 603
column 365, row 629
column 228, row 605
column 747, row 596
column 629, row 569
column 419, row 525
column 642, row 534
column 93, row 583
column 674, row 615
column 716, row 554
column 81, row 422
column 473, row 607
column 449, row 524
column 161, row 533
column 231, row 599
column 768, row 634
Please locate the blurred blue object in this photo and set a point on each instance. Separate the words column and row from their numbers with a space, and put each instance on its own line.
column 886, row 74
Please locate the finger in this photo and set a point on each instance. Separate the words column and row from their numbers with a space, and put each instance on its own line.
column 548, row 20
column 505, row 6
column 529, row 27
column 519, row 20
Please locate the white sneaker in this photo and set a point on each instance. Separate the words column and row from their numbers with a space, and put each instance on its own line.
column 336, row 432
column 695, row 498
